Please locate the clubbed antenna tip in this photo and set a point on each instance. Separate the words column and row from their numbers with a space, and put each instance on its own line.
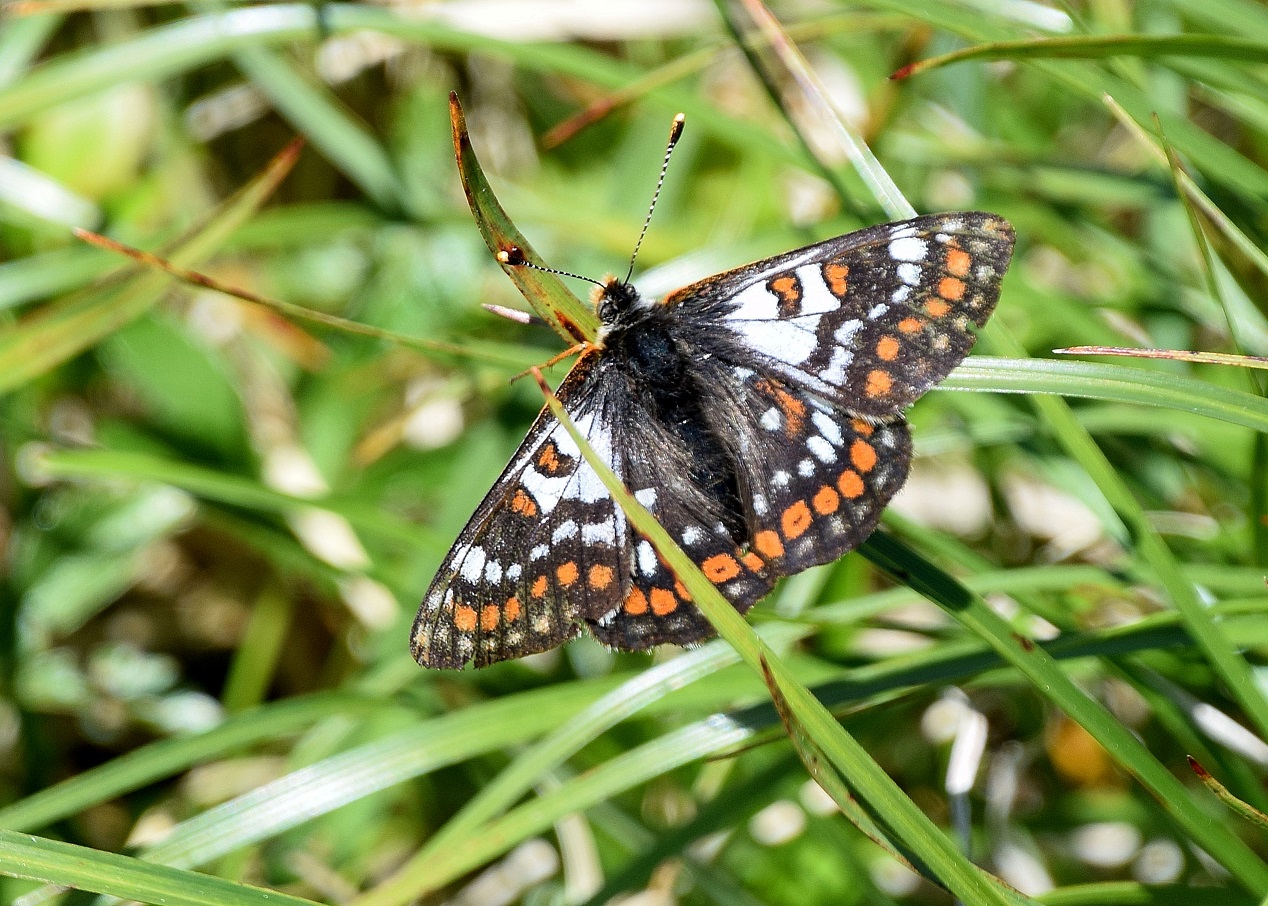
column 675, row 133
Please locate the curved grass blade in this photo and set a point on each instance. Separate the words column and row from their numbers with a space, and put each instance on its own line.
column 1094, row 47
column 567, row 315
column 63, row 329
column 67, row 865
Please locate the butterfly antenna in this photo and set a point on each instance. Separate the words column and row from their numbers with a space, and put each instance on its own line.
column 514, row 256
column 675, row 133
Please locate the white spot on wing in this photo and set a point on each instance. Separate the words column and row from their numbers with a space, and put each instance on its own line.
column 845, row 333
column 908, row 248
column 779, row 479
column 771, row 419
column 692, row 535
column 837, row 366
column 566, row 530
column 493, row 571
column 828, row 427
column 473, row 564
column 806, row 468
column 539, row 551
column 513, row 571
column 909, row 273
column 900, row 295
column 602, row 531
column 877, row 311
column 646, row 558
column 821, row 449
column 646, row 496
column 760, row 506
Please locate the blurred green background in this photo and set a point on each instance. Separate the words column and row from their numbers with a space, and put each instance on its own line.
column 218, row 517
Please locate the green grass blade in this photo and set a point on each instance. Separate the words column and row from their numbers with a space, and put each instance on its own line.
column 1115, row 383
column 567, row 315
column 26, row 856
column 171, row 756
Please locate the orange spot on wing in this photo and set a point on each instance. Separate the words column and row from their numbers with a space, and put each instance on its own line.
column 539, row 587
column 523, row 504
column 937, row 308
column 795, row 520
column 951, row 288
column 600, row 576
column 681, row 591
column 851, row 485
column 490, row 616
column 835, row 273
column 567, row 573
column 753, row 561
column 464, row 618
column 720, row 568
column 958, row 262
column 863, row 455
column 663, row 601
column 826, row 501
column 794, row 410
column 878, row 383
column 910, row 325
column 887, row 349
column 861, row 428
column 635, row 603
column 768, row 544
column 511, row 609
column 548, row 459
column 786, row 286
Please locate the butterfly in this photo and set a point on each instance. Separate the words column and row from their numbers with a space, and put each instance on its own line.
column 757, row 414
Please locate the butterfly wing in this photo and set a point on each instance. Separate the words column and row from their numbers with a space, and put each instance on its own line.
column 521, row 574
column 868, row 321
column 813, row 478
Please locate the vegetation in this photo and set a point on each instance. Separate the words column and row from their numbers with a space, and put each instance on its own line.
column 219, row 514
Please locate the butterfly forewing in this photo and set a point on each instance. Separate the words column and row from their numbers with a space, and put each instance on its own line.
column 868, row 321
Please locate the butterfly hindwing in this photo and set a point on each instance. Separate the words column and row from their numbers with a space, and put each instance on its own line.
column 868, row 321
column 814, row 479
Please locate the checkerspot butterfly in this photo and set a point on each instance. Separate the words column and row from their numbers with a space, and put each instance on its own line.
column 758, row 414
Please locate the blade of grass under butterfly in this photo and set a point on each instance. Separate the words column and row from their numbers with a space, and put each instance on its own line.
column 913, row 570
column 62, row 329
column 420, row 874
column 67, row 865
column 567, row 315
column 901, row 817
column 1091, row 47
